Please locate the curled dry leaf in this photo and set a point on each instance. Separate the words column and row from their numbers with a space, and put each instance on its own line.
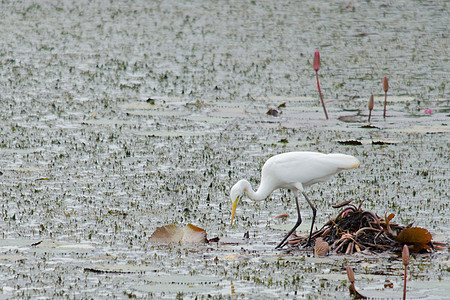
column 321, row 248
column 172, row 233
column 272, row 112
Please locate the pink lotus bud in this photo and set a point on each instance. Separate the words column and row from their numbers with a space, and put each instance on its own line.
column 428, row 111
column 371, row 102
column 385, row 84
column 405, row 255
column 316, row 62
column 350, row 274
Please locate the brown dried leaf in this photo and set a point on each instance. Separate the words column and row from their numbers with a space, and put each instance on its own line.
column 414, row 235
column 272, row 112
column 389, row 218
column 172, row 233
column 194, row 234
column 321, row 248
column 167, row 234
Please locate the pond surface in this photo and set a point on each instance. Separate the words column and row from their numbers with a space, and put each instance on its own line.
column 89, row 168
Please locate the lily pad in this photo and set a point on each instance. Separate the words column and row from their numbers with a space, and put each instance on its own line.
column 432, row 128
column 173, row 288
column 109, row 122
column 179, row 284
column 62, row 247
column 137, row 105
column 175, row 133
column 183, row 279
column 120, row 268
column 13, row 258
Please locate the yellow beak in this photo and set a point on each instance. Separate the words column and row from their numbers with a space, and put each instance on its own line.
column 233, row 209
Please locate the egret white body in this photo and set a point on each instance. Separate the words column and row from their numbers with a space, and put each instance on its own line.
column 294, row 171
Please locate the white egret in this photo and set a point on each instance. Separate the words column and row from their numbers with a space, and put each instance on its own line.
column 294, row 171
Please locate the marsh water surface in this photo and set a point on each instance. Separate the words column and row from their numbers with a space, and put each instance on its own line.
column 89, row 168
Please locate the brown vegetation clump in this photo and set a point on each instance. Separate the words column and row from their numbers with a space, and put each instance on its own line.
column 355, row 230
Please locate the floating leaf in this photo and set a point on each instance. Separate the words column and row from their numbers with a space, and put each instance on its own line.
column 352, row 119
column 282, row 105
column 382, row 143
column 350, row 142
column 120, row 268
column 414, row 235
column 172, row 233
column 233, row 257
column 370, row 127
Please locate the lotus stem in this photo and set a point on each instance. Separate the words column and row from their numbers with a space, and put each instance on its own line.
column 385, row 88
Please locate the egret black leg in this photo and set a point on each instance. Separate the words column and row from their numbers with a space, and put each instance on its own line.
column 313, row 219
column 299, row 221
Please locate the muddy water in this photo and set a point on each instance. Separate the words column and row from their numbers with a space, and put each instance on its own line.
column 89, row 169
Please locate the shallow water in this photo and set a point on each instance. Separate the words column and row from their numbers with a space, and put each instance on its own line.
column 91, row 169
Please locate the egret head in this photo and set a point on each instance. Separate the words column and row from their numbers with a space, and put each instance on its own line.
column 235, row 195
